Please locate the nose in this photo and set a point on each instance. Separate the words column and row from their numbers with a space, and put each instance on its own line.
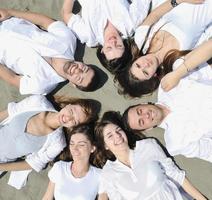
column 146, row 115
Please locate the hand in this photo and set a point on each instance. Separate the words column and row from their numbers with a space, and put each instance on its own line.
column 190, row 1
column 170, row 81
column 4, row 14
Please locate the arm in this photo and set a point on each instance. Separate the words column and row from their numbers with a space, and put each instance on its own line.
column 192, row 191
column 49, row 194
column 102, row 196
column 35, row 18
column 67, row 10
column 164, row 8
column 3, row 115
column 15, row 166
column 192, row 60
column 9, row 76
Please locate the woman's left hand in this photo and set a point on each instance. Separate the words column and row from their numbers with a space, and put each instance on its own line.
column 191, row 1
column 4, row 14
column 170, row 81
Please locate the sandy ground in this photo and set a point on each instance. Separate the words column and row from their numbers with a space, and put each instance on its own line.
column 198, row 171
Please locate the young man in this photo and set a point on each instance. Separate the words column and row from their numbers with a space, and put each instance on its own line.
column 35, row 60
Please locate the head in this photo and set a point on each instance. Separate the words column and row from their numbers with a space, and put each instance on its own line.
column 111, row 136
column 141, row 76
column 76, row 111
column 81, row 143
column 114, row 58
column 82, row 76
column 143, row 116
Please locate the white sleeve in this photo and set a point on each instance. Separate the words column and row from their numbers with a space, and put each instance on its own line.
column 47, row 153
column 35, row 85
column 54, row 172
column 170, row 168
column 139, row 10
column 31, row 103
column 201, row 149
column 106, row 186
column 77, row 25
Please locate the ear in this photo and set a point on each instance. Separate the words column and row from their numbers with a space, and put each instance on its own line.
column 154, row 75
column 93, row 149
column 72, row 84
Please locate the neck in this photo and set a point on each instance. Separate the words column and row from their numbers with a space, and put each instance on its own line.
column 80, row 168
column 51, row 120
column 58, row 64
column 110, row 30
column 124, row 156
column 165, row 111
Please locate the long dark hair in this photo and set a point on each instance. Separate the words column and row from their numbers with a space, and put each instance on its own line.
column 88, row 131
column 117, row 64
column 115, row 118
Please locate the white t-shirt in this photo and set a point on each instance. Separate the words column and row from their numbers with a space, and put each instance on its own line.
column 24, row 46
column 67, row 187
column 89, row 27
column 152, row 175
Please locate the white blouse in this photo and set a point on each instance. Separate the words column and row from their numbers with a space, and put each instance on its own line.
column 89, row 26
column 152, row 175
column 52, row 147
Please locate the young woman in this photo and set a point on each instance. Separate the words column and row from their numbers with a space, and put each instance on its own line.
column 179, row 29
column 101, row 24
column 51, row 52
column 142, row 172
column 76, row 179
column 40, row 144
column 192, row 66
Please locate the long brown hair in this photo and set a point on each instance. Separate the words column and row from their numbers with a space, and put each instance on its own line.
column 91, row 107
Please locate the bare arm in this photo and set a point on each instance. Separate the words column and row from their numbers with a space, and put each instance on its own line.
column 3, row 115
column 35, row 18
column 67, row 10
column 9, row 76
column 15, row 166
column 164, row 8
column 191, row 190
column 102, row 196
column 49, row 194
column 192, row 60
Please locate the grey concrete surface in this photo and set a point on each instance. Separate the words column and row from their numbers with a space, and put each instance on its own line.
column 199, row 172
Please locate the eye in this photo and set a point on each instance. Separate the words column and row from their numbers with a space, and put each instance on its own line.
column 146, row 73
column 137, row 65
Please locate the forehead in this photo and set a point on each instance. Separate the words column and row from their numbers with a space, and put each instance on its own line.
column 79, row 112
column 109, row 128
column 79, row 137
column 114, row 53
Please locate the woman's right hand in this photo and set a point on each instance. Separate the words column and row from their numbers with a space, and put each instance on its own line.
column 170, row 81
column 4, row 14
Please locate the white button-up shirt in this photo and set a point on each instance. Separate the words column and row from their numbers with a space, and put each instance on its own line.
column 150, row 177
column 188, row 127
column 89, row 26
column 54, row 144
column 24, row 46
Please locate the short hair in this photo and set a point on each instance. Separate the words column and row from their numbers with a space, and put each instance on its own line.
column 116, row 64
column 93, row 85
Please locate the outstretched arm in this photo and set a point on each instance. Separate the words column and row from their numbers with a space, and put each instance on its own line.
column 161, row 10
column 15, row 166
column 3, row 115
column 66, row 11
column 9, row 76
column 35, row 18
column 192, row 191
column 49, row 194
column 192, row 60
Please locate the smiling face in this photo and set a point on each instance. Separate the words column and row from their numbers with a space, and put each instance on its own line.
column 78, row 73
column 144, row 67
column 115, row 138
column 144, row 116
column 80, row 147
column 113, row 46
column 72, row 115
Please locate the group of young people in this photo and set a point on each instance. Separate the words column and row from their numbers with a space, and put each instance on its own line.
column 145, row 45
